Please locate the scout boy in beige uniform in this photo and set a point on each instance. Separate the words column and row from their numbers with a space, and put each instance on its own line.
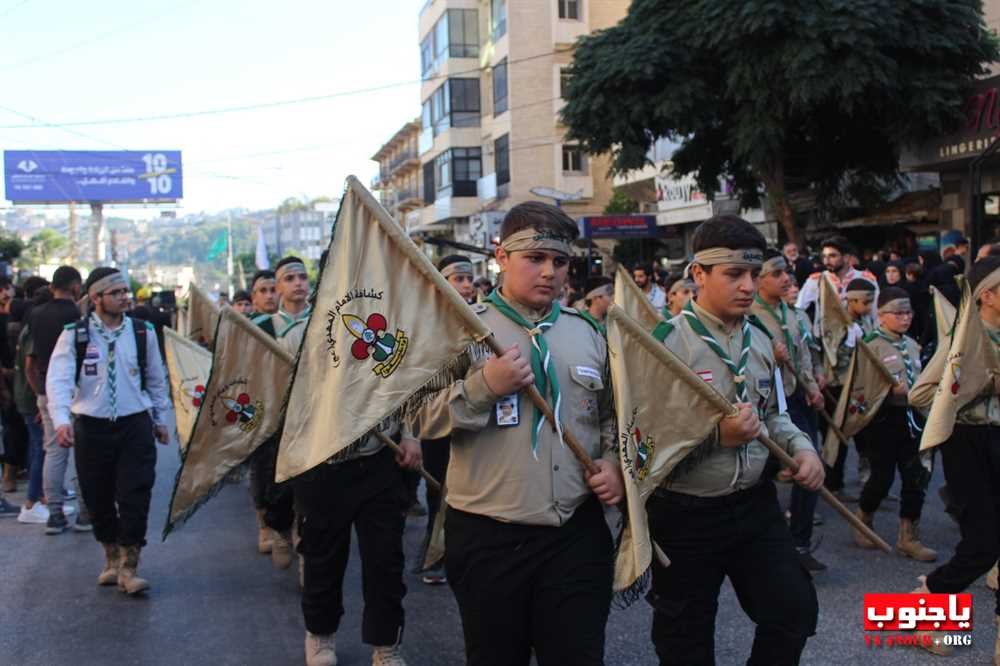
column 529, row 554
column 892, row 439
column 716, row 515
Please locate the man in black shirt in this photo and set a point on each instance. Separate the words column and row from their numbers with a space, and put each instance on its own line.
column 47, row 322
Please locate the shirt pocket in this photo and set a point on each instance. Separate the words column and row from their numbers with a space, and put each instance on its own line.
column 587, row 386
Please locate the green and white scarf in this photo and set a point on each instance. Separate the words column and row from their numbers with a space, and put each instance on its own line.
column 110, row 339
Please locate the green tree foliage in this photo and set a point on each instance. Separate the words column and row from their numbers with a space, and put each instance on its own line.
column 11, row 247
column 791, row 94
column 620, row 204
column 44, row 246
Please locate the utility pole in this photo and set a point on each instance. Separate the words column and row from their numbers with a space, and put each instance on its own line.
column 72, row 233
column 96, row 224
column 229, row 253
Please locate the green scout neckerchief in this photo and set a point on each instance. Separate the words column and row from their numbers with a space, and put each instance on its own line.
column 110, row 339
column 900, row 346
column 598, row 326
column 288, row 320
column 737, row 369
column 783, row 323
column 542, row 365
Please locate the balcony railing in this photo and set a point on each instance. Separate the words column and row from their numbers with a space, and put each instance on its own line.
column 406, row 195
column 403, row 157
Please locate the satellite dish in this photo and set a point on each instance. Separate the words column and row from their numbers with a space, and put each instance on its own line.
column 558, row 195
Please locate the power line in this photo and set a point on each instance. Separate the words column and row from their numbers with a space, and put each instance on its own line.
column 272, row 104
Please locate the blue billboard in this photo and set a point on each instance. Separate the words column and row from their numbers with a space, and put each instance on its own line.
column 54, row 176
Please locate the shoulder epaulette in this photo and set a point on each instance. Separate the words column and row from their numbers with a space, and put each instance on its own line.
column 479, row 308
column 662, row 330
column 759, row 324
column 869, row 337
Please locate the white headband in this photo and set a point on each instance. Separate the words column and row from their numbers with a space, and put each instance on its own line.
column 457, row 267
column 533, row 239
column 775, row 264
column 991, row 281
column 896, row 305
column 293, row 267
column 107, row 283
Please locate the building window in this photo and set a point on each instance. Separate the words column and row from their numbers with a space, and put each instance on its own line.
column 440, row 33
column 463, row 33
column 572, row 160
column 498, row 18
column 442, row 172
column 500, row 87
column 501, row 153
column 563, row 81
column 456, row 172
column 427, row 55
column 465, row 103
column 429, row 192
column 569, row 9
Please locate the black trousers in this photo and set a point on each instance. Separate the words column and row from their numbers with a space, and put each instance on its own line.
column 523, row 587
column 368, row 494
column 742, row 536
column 803, row 502
column 971, row 459
column 436, row 454
column 834, row 480
column 889, row 445
column 116, row 468
column 276, row 500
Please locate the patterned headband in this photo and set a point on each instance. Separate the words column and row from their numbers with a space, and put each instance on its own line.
column 293, row 267
column 533, row 239
column 457, row 267
column 896, row 305
column 107, row 283
column 991, row 281
column 714, row 256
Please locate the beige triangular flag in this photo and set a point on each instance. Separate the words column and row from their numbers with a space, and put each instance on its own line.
column 944, row 315
column 832, row 321
column 386, row 325
column 203, row 316
column 629, row 297
column 242, row 408
column 188, row 365
column 970, row 367
column 862, row 395
column 664, row 412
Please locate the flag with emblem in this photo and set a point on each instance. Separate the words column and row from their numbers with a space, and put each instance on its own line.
column 663, row 413
column 241, row 408
column 970, row 367
column 188, row 365
column 833, row 320
column 866, row 388
column 630, row 298
column 944, row 315
column 386, row 325
column 202, row 316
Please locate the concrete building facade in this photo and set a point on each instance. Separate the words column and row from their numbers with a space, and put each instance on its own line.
column 398, row 179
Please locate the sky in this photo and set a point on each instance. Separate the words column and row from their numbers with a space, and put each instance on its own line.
column 66, row 62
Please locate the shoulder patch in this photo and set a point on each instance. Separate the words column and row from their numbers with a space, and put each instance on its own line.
column 759, row 324
column 479, row 308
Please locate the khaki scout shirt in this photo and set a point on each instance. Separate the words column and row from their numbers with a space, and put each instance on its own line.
column 893, row 360
column 984, row 410
column 799, row 354
column 492, row 470
column 715, row 466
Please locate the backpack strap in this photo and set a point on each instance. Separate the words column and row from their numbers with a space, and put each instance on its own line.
column 140, row 327
column 81, row 339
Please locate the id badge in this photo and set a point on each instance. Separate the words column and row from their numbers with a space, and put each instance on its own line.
column 90, row 369
column 507, row 412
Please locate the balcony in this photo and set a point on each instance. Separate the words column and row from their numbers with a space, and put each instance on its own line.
column 406, row 158
column 408, row 199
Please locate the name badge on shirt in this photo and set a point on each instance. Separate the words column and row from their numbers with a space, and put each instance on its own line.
column 93, row 353
column 90, row 369
column 507, row 412
column 588, row 372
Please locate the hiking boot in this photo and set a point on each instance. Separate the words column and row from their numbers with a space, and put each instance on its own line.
column 109, row 574
column 321, row 650
column 8, row 510
column 860, row 539
column 281, row 550
column 263, row 535
column 128, row 581
column 930, row 640
column 57, row 523
column 908, row 542
column 387, row 655
column 991, row 578
column 810, row 563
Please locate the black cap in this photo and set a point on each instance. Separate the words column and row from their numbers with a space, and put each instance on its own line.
column 241, row 295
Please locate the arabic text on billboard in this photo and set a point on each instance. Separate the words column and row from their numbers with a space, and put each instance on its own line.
column 98, row 176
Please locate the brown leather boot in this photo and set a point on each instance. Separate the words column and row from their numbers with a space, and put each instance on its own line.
column 860, row 539
column 109, row 575
column 991, row 578
column 932, row 641
column 908, row 542
column 263, row 535
column 128, row 581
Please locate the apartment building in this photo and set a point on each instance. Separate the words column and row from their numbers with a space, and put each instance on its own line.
column 305, row 231
column 398, row 181
column 493, row 75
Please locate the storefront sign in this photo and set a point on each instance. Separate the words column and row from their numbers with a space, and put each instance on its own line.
column 623, row 226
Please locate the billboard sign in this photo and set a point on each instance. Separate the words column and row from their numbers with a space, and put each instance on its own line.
column 623, row 226
column 104, row 176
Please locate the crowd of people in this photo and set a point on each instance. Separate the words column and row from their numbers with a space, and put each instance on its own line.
column 529, row 553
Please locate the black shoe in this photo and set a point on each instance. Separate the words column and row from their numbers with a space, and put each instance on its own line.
column 817, row 520
column 8, row 510
column 809, row 562
column 57, row 523
column 83, row 523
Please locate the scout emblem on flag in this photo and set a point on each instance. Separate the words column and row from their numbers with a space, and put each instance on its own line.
column 857, row 404
column 638, row 451
column 239, row 409
column 372, row 340
column 197, row 394
column 188, row 365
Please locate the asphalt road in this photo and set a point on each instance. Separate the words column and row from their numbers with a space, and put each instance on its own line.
column 216, row 601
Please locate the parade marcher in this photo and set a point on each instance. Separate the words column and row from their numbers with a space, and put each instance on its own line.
column 47, row 322
column 104, row 378
column 680, row 292
column 716, row 515
column 794, row 359
column 646, row 279
column 274, row 502
column 242, row 302
column 529, row 554
column 799, row 266
column 860, row 297
column 599, row 297
column 836, row 252
column 971, row 456
column 892, row 439
column 264, row 293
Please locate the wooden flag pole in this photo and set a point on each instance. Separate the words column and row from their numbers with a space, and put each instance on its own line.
column 822, row 410
column 385, row 439
column 710, row 393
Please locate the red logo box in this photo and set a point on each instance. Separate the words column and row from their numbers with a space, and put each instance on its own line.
column 923, row 612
